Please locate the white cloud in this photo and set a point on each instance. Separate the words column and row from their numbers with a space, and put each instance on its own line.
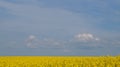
column 32, row 41
column 32, row 37
column 86, row 37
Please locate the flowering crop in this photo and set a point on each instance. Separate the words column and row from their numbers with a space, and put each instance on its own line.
column 59, row 61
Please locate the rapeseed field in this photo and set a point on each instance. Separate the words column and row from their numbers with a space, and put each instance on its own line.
column 59, row 61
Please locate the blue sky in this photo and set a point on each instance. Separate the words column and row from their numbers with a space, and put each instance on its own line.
column 59, row 27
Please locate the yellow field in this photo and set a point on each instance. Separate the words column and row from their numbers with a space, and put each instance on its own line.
column 59, row 61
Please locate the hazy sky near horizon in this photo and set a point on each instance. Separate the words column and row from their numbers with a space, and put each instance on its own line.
column 59, row 27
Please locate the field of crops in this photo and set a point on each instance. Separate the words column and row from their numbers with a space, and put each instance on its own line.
column 59, row 61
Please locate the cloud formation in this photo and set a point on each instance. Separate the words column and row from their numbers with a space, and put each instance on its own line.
column 86, row 37
column 31, row 41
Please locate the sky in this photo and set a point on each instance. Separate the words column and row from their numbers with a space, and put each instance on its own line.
column 59, row 27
